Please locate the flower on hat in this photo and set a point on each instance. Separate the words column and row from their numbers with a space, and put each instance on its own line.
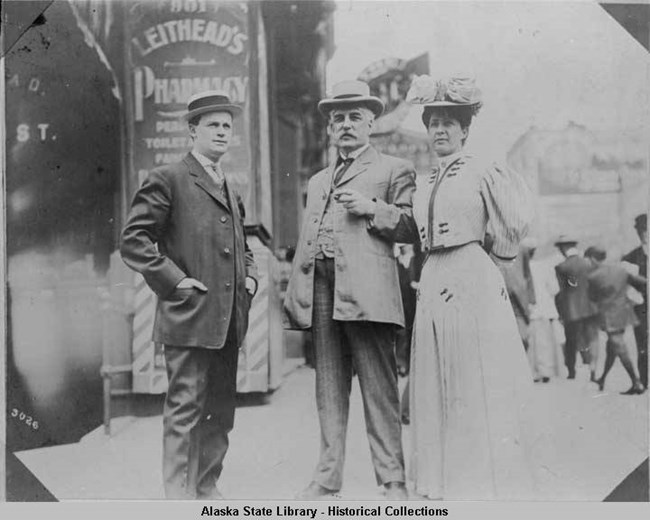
column 460, row 90
column 423, row 90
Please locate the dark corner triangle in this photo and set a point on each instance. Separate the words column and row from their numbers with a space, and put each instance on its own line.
column 635, row 19
column 634, row 488
column 22, row 485
column 19, row 17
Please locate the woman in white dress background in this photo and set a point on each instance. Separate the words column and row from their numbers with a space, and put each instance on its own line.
column 470, row 377
column 546, row 334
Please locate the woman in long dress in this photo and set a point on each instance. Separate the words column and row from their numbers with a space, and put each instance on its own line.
column 544, row 350
column 470, row 376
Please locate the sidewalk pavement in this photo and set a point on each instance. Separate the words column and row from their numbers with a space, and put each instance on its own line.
column 599, row 438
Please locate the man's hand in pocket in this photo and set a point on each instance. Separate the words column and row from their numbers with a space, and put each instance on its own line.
column 189, row 283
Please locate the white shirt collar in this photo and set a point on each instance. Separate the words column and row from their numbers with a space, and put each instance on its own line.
column 405, row 258
column 205, row 161
column 355, row 153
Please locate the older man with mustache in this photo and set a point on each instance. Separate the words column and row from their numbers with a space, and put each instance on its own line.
column 345, row 288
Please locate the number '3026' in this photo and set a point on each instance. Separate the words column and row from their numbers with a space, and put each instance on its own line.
column 23, row 417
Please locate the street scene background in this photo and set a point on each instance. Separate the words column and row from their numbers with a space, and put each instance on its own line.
column 91, row 89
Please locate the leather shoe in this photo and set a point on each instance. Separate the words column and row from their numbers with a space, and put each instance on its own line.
column 314, row 491
column 634, row 390
column 601, row 384
column 396, row 491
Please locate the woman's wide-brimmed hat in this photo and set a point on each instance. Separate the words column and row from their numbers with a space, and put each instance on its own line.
column 351, row 93
column 448, row 92
column 210, row 101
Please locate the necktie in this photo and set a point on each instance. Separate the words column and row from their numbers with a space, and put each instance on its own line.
column 219, row 179
column 341, row 168
column 218, row 176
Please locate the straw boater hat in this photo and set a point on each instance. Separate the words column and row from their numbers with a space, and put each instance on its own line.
column 351, row 93
column 210, row 101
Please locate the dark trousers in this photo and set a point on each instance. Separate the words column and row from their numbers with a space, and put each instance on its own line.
column 616, row 348
column 641, row 336
column 579, row 335
column 199, row 413
column 369, row 349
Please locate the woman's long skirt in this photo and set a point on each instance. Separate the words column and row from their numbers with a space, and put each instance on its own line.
column 470, row 384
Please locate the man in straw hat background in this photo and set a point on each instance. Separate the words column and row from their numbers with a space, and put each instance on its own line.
column 344, row 287
column 185, row 235
column 578, row 314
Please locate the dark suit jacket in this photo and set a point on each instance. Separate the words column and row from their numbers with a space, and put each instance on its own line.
column 573, row 301
column 407, row 275
column 640, row 259
column 180, row 225
column 608, row 288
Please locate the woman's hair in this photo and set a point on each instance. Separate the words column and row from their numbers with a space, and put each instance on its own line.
column 461, row 113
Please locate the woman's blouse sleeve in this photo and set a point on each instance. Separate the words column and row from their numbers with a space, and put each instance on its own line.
column 509, row 205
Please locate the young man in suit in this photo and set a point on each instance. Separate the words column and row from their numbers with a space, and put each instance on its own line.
column 608, row 284
column 185, row 235
column 344, row 287
column 639, row 258
column 577, row 312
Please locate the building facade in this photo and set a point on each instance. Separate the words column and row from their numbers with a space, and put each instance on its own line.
column 93, row 91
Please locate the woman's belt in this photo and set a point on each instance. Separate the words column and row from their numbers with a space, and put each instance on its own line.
column 446, row 248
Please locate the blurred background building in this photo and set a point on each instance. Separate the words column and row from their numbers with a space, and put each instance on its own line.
column 589, row 184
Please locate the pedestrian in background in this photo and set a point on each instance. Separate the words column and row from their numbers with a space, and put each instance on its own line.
column 544, row 351
column 345, row 288
column 185, row 235
column 409, row 263
column 592, row 355
column 579, row 315
column 639, row 258
column 608, row 284
column 408, row 268
column 519, row 284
